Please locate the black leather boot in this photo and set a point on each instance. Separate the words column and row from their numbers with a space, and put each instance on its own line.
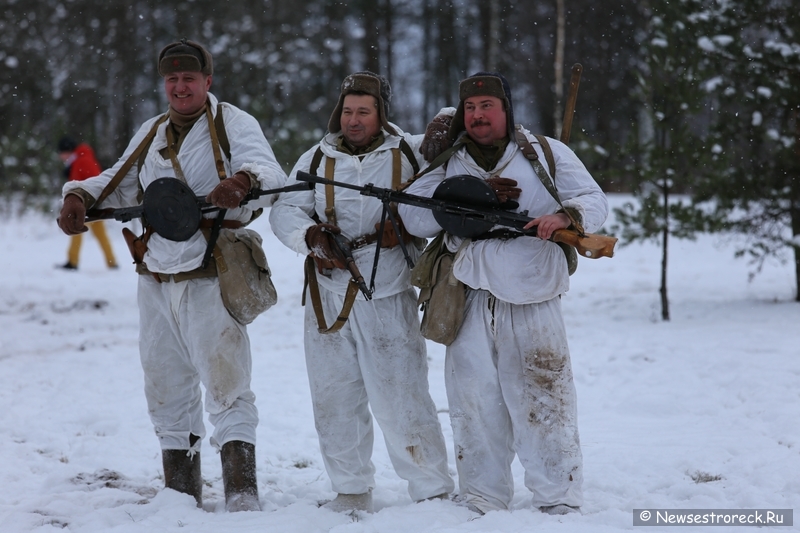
column 182, row 471
column 239, row 476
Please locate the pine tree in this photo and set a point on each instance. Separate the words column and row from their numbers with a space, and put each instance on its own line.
column 667, row 154
column 757, row 88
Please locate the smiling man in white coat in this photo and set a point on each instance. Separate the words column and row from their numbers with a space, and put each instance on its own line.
column 187, row 337
column 375, row 358
column 508, row 373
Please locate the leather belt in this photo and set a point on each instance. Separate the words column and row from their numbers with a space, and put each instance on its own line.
column 209, row 272
column 504, row 234
column 206, row 223
column 364, row 240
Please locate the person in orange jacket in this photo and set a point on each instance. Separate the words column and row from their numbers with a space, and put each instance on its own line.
column 80, row 164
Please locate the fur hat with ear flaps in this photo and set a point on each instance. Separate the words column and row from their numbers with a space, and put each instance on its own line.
column 483, row 84
column 364, row 82
column 185, row 56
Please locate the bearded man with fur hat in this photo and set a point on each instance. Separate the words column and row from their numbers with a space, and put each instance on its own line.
column 508, row 373
column 374, row 357
column 187, row 337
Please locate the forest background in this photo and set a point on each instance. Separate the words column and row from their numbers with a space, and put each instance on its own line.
column 691, row 105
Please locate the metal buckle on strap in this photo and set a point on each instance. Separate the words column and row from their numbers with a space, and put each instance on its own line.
column 362, row 241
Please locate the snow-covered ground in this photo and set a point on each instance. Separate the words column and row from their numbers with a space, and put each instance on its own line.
column 698, row 412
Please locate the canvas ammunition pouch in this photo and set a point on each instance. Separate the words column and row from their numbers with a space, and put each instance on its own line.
column 245, row 280
column 441, row 296
column 244, row 276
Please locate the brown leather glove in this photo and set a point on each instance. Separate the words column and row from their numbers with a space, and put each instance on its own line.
column 320, row 241
column 505, row 189
column 230, row 192
column 72, row 218
column 389, row 238
column 436, row 139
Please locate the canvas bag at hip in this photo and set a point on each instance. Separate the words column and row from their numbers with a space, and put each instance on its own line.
column 244, row 275
column 442, row 296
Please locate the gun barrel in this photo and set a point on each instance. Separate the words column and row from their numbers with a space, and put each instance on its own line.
column 588, row 245
column 254, row 194
column 125, row 214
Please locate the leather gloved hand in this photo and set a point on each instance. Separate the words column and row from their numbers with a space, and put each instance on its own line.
column 72, row 218
column 506, row 191
column 319, row 240
column 436, row 139
column 389, row 238
column 230, row 192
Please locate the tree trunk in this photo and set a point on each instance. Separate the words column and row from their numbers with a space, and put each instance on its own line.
column 558, row 64
column 663, row 290
column 796, row 209
column 493, row 37
column 371, row 41
column 388, row 16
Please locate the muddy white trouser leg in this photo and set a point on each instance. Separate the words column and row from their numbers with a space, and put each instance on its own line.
column 536, row 377
column 482, row 431
column 510, row 389
column 378, row 357
column 187, row 338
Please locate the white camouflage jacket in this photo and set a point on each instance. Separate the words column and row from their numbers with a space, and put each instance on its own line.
column 523, row 270
column 250, row 152
column 356, row 215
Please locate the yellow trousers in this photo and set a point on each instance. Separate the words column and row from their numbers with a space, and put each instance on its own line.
column 98, row 229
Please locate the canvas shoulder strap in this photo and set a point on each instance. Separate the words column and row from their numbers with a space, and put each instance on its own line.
column 315, row 160
column 548, row 155
column 409, row 153
column 310, row 271
column 440, row 160
column 125, row 168
column 530, row 154
column 310, row 281
column 222, row 134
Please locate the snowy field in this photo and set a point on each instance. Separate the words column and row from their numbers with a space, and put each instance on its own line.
column 699, row 412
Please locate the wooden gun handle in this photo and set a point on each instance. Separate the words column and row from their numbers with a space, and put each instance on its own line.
column 590, row 245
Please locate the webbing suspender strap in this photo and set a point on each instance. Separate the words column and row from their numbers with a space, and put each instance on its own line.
column 123, row 170
column 316, row 300
column 215, row 140
column 530, row 154
column 221, row 142
column 330, row 209
column 440, row 160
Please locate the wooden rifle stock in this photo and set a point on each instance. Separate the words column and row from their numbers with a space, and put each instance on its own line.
column 589, row 245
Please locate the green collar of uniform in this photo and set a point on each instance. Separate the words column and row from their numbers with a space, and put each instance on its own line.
column 345, row 147
column 486, row 156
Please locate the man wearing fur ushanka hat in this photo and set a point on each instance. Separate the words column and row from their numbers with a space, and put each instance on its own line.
column 187, row 335
column 508, row 373
column 364, row 358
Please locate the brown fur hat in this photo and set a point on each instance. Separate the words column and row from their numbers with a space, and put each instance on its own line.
column 364, row 82
column 483, row 84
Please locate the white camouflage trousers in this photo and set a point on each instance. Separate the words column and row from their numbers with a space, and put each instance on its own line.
column 509, row 385
column 377, row 360
column 186, row 338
